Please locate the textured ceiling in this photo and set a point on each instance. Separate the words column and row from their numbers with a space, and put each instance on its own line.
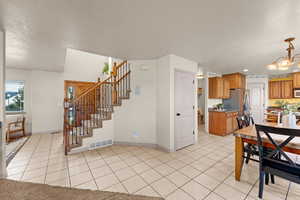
column 222, row 35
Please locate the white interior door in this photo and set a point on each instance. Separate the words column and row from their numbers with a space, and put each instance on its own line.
column 184, row 109
column 257, row 101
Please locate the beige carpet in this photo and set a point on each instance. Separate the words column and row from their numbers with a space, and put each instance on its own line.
column 14, row 190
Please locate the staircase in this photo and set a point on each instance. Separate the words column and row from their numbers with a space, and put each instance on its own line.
column 88, row 111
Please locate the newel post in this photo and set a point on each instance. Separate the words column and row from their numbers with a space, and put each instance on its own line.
column 114, row 74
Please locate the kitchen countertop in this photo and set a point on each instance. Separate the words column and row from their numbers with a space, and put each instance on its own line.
column 212, row 110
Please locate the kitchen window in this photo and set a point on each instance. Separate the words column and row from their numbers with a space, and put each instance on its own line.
column 14, row 96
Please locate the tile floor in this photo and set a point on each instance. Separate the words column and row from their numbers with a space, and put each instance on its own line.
column 201, row 171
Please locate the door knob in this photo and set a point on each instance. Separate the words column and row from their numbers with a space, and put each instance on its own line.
column 177, row 114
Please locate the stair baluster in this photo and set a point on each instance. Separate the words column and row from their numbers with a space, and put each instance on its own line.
column 87, row 111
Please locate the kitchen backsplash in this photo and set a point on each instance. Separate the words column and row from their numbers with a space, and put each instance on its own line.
column 272, row 102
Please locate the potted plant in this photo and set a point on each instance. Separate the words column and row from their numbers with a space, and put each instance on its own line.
column 105, row 69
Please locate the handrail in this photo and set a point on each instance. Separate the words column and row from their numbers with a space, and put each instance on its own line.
column 97, row 84
column 121, row 64
column 87, row 111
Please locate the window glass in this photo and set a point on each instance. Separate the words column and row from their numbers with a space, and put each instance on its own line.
column 14, row 96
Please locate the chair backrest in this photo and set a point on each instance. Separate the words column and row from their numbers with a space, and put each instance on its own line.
column 244, row 121
column 272, row 156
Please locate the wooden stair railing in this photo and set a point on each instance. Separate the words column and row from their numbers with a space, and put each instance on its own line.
column 87, row 111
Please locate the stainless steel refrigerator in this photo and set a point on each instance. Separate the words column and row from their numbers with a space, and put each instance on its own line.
column 236, row 100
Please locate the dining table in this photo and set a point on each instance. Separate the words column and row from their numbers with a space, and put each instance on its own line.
column 248, row 135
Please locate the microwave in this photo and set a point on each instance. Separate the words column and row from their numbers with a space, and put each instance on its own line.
column 297, row 93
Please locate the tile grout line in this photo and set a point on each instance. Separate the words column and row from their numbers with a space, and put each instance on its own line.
column 113, row 174
column 50, row 149
column 91, row 171
column 21, row 178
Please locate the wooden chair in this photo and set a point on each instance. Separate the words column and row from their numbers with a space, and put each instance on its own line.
column 200, row 117
column 15, row 127
column 276, row 162
column 250, row 149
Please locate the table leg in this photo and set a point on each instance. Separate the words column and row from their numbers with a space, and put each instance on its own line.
column 239, row 160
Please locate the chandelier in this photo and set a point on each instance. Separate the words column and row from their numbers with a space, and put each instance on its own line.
column 286, row 62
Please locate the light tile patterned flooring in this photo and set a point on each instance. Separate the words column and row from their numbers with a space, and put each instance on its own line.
column 201, row 171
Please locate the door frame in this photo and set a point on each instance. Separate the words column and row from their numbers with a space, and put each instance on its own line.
column 3, row 171
column 264, row 95
column 195, row 106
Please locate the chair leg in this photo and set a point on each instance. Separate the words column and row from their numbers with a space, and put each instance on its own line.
column 7, row 137
column 247, row 157
column 261, row 184
column 267, row 178
column 272, row 179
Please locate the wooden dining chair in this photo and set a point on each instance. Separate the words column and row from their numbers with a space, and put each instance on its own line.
column 250, row 149
column 276, row 162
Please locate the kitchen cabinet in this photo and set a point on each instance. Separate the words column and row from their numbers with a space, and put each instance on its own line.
column 296, row 80
column 226, row 89
column 218, row 88
column 287, row 89
column 222, row 123
column 274, row 89
column 282, row 89
column 236, row 80
column 215, row 88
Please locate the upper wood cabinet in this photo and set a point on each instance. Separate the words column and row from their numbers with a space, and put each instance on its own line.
column 236, row 80
column 215, row 88
column 274, row 89
column 218, row 88
column 296, row 80
column 287, row 89
column 282, row 89
column 226, row 89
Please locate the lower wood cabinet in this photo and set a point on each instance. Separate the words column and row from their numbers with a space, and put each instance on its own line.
column 222, row 123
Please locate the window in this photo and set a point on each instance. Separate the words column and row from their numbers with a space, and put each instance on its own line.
column 14, row 96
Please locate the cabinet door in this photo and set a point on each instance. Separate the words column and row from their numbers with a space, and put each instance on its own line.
column 231, row 79
column 296, row 80
column 287, row 89
column 234, row 122
column 275, row 89
column 215, row 88
column 236, row 81
column 229, row 127
column 226, row 89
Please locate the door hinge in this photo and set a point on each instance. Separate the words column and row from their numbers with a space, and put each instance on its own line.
column 193, row 107
column 193, row 132
column 193, row 81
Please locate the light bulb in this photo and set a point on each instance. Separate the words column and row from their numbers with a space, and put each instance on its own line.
column 272, row 66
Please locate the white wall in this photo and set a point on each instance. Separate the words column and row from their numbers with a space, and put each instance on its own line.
column 163, row 103
column 166, row 68
column 83, row 66
column 135, row 120
column 47, row 101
